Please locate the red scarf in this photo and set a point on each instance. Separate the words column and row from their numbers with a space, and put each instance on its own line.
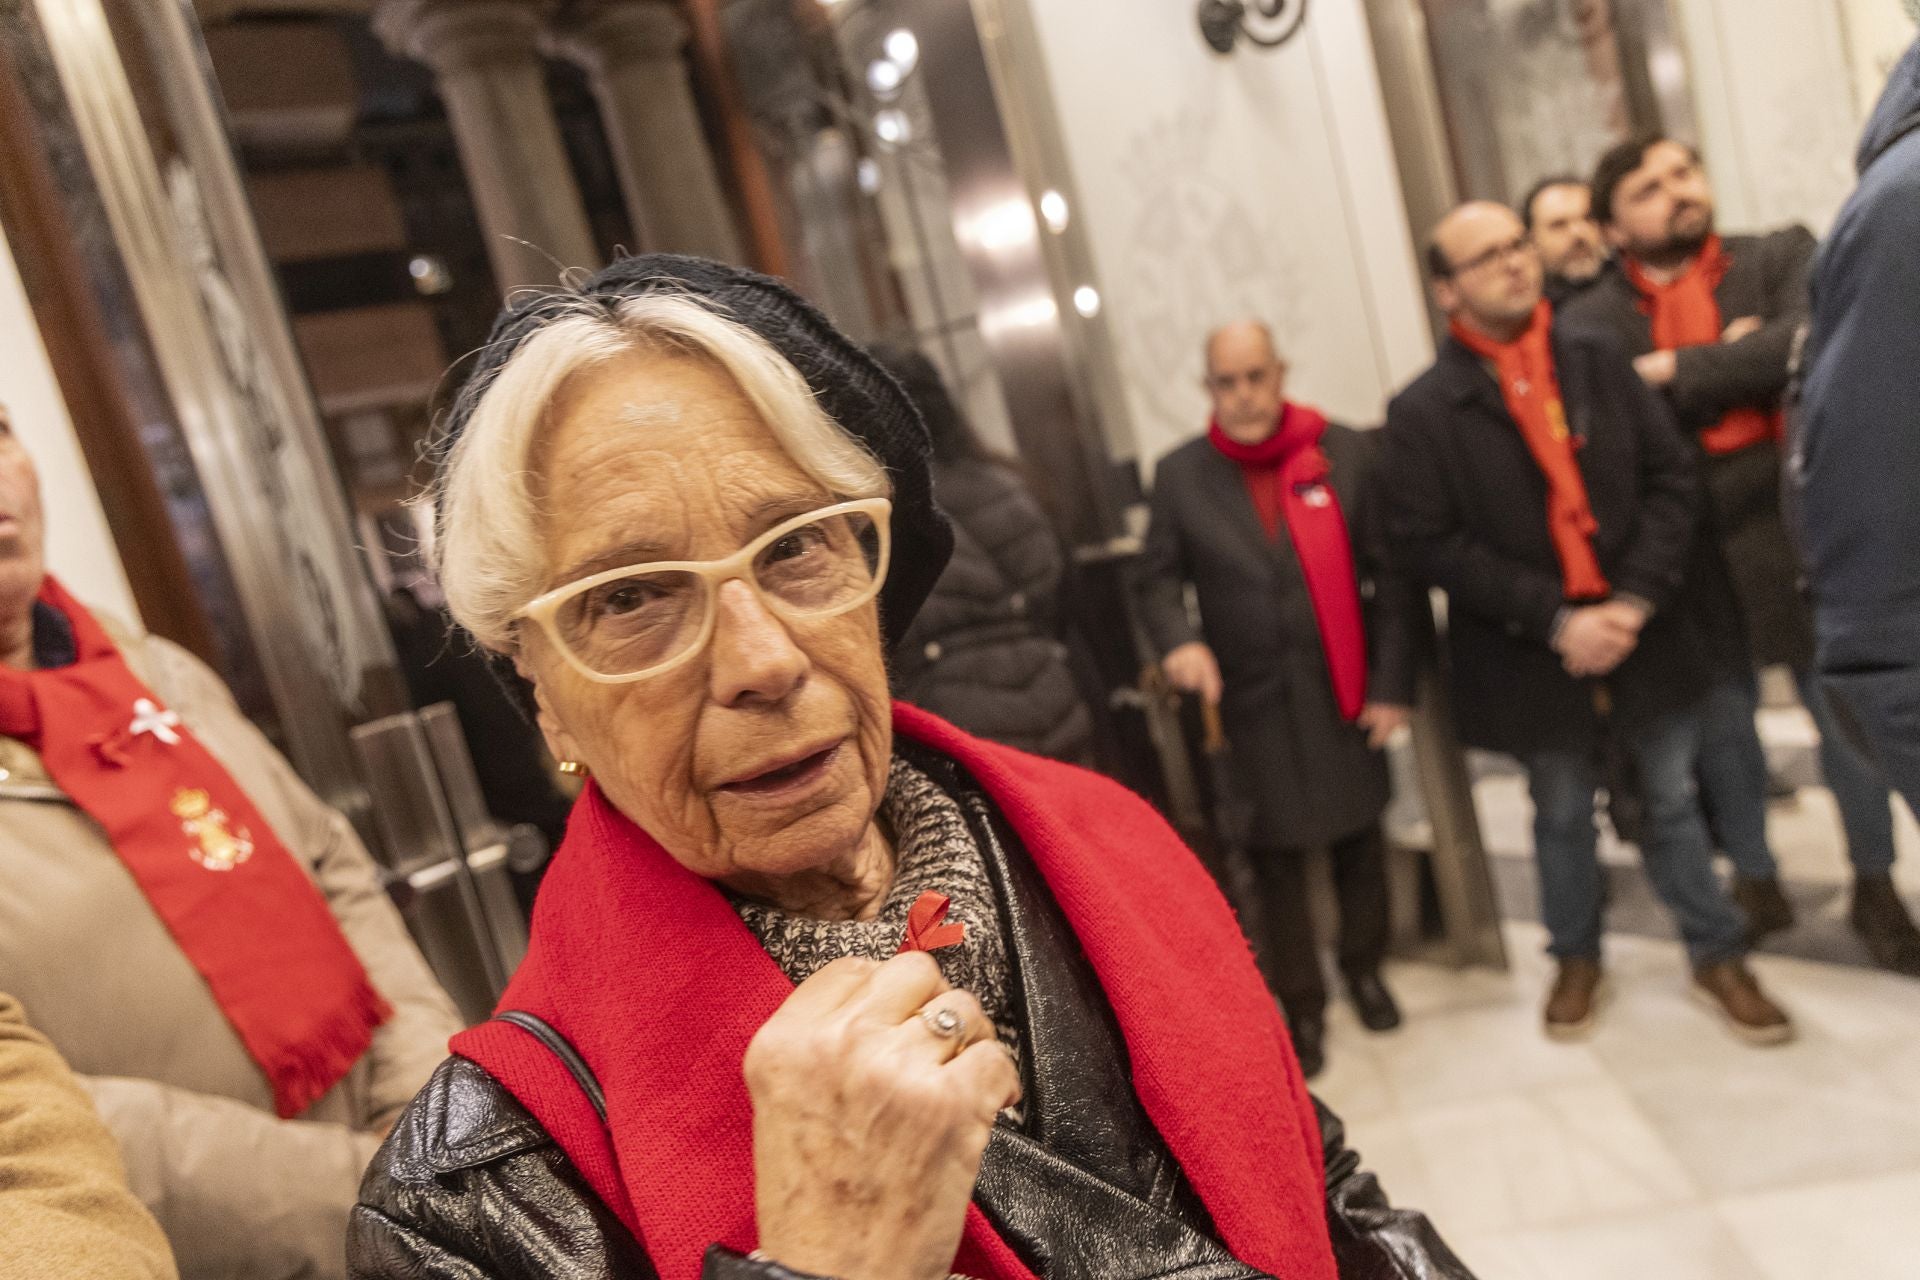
column 1685, row 313
column 248, row 918
column 1286, row 476
column 649, row 972
column 1531, row 390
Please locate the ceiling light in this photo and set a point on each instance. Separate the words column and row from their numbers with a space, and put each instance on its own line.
column 1000, row 225
column 892, row 127
column 1053, row 207
column 903, row 49
column 884, row 77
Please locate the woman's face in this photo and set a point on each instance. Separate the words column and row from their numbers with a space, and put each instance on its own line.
column 654, row 457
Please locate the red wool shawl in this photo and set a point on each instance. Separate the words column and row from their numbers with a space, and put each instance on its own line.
column 646, row 968
column 252, row 923
column 1286, row 476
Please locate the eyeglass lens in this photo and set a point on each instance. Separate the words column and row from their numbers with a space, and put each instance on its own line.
column 650, row 617
column 1499, row 253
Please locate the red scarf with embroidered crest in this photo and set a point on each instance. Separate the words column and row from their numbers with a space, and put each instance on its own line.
column 1531, row 389
column 648, row 971
column 252, row 923
column 1685, row 313
column 1286, row 477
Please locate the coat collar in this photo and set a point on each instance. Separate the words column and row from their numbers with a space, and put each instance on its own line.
column 1227, row 488
column 23, row 776
column 1468, row 378
column 1229, row 494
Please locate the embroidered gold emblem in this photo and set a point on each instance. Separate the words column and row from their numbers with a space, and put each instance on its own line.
column 219, row 847
column 1557, row 419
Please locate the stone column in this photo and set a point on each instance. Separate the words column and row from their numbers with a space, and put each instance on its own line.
column 632, row 52
column 486, row 58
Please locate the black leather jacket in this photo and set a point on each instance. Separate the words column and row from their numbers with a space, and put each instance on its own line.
column 469, row 1184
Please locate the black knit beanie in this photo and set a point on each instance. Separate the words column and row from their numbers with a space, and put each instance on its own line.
column 850, row 386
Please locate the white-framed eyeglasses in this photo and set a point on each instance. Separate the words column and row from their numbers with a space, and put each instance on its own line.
column 646, row 619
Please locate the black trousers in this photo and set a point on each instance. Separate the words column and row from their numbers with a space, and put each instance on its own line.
column 1283, row 928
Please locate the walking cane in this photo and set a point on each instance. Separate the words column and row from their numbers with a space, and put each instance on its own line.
column 1232, row 821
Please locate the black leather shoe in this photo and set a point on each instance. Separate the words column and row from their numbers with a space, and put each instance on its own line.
column 1881, row 920
column 1768, row 910
column 1373, row 1002
column 1309, row 1044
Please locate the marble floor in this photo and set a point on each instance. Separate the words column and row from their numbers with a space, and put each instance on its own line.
column 1662, row 1148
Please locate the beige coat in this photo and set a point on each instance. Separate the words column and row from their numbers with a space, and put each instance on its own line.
column 242, row 1194
column 64, row 1205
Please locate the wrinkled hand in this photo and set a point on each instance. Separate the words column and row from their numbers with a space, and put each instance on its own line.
column 1192, row 669
column 1744, row 327
column 1382, row 720
column 868, row 1127
column 1656, row 368
column 1597, row 638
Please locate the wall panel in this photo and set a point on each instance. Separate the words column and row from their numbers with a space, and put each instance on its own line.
column 1261, row 183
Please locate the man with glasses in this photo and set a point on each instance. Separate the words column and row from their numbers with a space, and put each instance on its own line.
column 1305, row 642
column 1532, row 476
column 1711, row 321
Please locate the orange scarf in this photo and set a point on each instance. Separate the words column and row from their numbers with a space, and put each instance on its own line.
column 1685, row 313
column 1532, row 392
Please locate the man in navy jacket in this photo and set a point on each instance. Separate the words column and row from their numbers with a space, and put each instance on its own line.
column 1854, row 471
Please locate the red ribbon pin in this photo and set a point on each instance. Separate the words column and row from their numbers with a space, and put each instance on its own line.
column 925, row 932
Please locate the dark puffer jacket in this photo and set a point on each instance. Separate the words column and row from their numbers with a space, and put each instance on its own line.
column 984, row 652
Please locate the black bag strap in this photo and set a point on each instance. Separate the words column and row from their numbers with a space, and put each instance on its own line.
column 540, row 1029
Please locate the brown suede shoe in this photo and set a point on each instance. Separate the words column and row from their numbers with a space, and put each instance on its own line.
column 1731, row 991
column 1574, row 999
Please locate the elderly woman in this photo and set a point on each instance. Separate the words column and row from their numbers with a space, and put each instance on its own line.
column 819, row 986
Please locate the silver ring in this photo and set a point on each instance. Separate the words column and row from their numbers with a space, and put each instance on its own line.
column 945, row 1023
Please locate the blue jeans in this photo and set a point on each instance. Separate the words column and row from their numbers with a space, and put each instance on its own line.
column 1733, row 780
column 1859, row 788
column 1732, row 771
column 1885, row 705
column 1674, row 846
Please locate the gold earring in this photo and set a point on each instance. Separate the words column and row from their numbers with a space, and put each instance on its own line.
column 573, row 768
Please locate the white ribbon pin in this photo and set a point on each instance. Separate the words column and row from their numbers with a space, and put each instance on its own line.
column 148, row 718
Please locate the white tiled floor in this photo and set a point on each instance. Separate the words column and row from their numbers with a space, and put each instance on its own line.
column 1662, row 1149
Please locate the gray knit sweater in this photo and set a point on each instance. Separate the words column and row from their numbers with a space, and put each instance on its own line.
column 935, row 851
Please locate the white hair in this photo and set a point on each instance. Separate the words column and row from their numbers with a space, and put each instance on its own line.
column 488, row 551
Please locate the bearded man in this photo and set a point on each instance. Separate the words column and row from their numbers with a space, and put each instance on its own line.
column 1558, row 213
column 1711, row 321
